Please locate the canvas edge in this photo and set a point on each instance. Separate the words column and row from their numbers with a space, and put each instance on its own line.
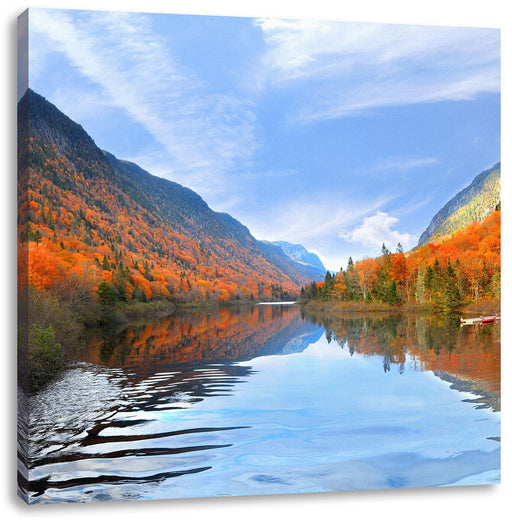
column 22, row 255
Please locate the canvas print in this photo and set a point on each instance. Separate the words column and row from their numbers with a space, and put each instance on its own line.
column 255, row 256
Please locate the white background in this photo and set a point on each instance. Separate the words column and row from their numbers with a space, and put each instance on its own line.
column 466, row 504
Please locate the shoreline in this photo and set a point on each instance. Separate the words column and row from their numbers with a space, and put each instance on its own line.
column 132, row 312
column 337, row 307
column 145, row 311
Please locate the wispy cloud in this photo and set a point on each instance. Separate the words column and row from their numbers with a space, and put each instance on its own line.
column 199, row 131
column 398, row 164
column 353, row 67
column 378, row 229
column 304, row 220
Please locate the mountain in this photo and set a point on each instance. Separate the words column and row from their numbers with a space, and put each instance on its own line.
column 300, row 254
column 474, row 203
column 85, row 215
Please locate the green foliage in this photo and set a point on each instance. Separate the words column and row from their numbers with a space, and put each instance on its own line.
column 353, row 291
column 47, row 330
column 450, row 298
column 392, row 296
column 122, row 283
column 107, row 296
column 420, row 294
column 45, row 356
column 496, row 285
column 474, row 203
column 29, row 234
column 327, row 289
column 310, row 292
column 105, row 264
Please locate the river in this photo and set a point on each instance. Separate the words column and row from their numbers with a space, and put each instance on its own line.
column 267, row 400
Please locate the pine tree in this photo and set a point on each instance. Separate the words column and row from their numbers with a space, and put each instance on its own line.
column 450, row 296
column 435, row 282
column 392, row 296
column 105, row 265
column 352, row 287
column 328, row 285
column 496, row 285
column 107, row 297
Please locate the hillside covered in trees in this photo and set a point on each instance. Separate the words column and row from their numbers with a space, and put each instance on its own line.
column 100, row 240
column 443, row 275
column 96, row 225
column 474, row 203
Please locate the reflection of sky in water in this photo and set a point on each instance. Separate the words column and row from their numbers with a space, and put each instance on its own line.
column 325, row 420
column 309, row 421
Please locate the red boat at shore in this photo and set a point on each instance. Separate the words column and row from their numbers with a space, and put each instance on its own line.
column 483, row 320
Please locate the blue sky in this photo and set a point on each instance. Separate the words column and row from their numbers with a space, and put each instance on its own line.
column 338, row 136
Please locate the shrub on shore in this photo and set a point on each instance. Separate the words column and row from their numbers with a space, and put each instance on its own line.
column 47, row 331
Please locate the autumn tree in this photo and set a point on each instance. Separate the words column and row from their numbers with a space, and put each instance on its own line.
column 420, row 287
column 366, row 271
column 339, row 287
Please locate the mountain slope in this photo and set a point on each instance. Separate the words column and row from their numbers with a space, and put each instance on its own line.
column 474, row 203
column 85, row 214
column 300, row 254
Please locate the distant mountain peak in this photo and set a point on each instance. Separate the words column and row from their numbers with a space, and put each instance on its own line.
column 300, row 254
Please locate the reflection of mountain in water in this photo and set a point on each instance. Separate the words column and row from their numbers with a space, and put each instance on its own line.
column 108, row 418
column 223, row 335
column 467, row 357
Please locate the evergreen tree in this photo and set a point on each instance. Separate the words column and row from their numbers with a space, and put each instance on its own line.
column 352, row 287
column 459, row 274
column 450, row 296
column 496, row 284
column 122, row 282
column 105, row 265
column 381, row 285
column 380, row 288
column 107, row 297
column 434, row 277
column 429, row 276
column 392, row 296
column 328, row 285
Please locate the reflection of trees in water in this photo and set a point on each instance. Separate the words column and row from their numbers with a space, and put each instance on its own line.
column 220, row 335
column 368, row 335
column 113, row 342
column 167, row 366
column 469, row 354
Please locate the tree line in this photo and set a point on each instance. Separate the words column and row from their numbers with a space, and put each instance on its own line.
column 444, row 275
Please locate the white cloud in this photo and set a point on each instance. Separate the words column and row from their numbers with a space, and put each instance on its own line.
column 354, row 67
column 376, row 230
column 399, row 164
column 303, row 220
column 199, row 132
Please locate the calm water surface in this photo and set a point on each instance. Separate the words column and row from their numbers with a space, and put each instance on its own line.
column 265, row 400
